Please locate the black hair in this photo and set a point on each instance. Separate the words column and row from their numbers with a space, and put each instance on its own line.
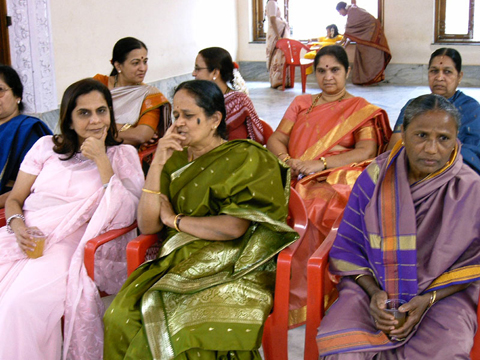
column 341, row 5
column 219, row 58
column 67, row 142
column 11, row 78
column 336, row 51
column 121, row 50
column 451, row 53
column 426, row 103
column 335, row 28
column 210, row 98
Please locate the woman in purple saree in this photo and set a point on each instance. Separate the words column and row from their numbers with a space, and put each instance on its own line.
column 410, row 231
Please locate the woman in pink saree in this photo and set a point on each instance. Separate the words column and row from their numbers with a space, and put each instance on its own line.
column 72, row 187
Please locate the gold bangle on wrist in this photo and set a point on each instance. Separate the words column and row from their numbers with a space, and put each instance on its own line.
column 324, row 162
column 286, row 158
column 176, row 222
column 125, row 127
column 151, row 191
column 433, row 297
column 359, row 276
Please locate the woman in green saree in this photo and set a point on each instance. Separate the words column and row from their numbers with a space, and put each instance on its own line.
column 223, row 207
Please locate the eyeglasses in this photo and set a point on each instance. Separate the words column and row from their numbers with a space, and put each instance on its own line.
column 197, row 69
column 3, row 91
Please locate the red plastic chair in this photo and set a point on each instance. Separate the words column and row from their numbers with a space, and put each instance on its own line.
column 275, row 333
column 292, row 49
column 144, row 153
column 267, row 131
column 3, row 221
column 320, row 284
column 92, row 245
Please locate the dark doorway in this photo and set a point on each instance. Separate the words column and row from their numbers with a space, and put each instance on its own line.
column 5, row 22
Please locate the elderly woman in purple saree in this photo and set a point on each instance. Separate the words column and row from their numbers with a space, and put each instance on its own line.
column 411, row 231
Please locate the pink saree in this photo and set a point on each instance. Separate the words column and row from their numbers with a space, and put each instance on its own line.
column 69, row 204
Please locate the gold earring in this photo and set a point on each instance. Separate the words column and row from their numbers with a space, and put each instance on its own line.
column 403, row 143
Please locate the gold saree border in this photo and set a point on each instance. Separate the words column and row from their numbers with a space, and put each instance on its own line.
column 339, row 131
column 461, row 275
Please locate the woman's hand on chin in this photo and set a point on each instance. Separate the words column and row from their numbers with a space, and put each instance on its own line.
column 93, row 148
column 170, row 142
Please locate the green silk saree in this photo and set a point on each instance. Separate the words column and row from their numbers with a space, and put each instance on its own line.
column 206, row 299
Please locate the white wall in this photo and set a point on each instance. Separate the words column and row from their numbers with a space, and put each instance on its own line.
column 409, row 27
column 84, row 32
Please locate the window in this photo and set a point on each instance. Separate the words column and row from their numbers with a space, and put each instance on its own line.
column 454, row 21
column 308, row 18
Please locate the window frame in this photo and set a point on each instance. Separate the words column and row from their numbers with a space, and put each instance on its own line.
column 440, row 18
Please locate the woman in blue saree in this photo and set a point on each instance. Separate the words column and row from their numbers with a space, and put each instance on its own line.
column 18, row 132
column 444, row 76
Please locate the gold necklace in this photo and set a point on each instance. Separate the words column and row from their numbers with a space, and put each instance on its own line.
column 314, row 103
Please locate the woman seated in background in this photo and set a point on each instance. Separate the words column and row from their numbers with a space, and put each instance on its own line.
column 332, row 38
column 141, row 111
column 73, row 187
column 444, row 76
column 18, row 132
column 223, row 208
column 407, row 233
column 326, row 139
column 215, row 64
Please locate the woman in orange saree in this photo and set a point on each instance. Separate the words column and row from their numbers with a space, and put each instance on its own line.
column 327, row 139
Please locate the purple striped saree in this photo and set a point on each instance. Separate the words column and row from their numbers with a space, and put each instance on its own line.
column 413, row 239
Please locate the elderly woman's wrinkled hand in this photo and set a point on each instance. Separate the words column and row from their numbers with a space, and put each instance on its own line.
column 309, row 167
column 383, row 320
column 169, row 143
column 167, row 215
column 415, row 309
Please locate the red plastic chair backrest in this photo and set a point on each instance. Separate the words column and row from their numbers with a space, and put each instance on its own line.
column 291, row 48
column 267, row 131
column 3, row 221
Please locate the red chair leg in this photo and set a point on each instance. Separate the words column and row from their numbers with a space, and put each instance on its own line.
column 284, row 76
column 304, row 78
column 292, row 76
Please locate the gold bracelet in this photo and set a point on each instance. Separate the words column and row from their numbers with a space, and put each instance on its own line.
column 176, row 222
column 151, row 191
column 324, row 162
column 286, row 158
column 433, row 297
column 359, row 276
column 125, row 127
column 280, row 154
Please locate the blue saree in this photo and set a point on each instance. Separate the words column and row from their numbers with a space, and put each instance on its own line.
column 17, row 136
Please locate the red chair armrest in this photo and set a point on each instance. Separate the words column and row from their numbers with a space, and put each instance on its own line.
column 136, row 250
column 150, row 150
column 92, row 245
column 3, row 221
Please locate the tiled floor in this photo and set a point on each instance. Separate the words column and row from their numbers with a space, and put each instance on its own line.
column 271, row 105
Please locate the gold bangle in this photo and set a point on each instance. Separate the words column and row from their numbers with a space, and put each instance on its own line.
column 286, row 158
column 151, row 191
column 359, row 276
column 176, row 222
column 125, row 127
column 324, row 162
column 433, row 297
column 280, row 154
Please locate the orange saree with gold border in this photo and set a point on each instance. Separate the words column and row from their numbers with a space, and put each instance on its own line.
column 326, row 193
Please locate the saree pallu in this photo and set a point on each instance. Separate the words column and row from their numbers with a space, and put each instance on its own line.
column 140, row 105
column 242, row 119
column 413, row 239
column 372, row 53
column 325, row 194
column 275, row 57
column 207, row 299
column 17, row 136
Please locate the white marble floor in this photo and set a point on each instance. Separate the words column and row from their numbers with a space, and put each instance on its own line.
column 271, row 105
